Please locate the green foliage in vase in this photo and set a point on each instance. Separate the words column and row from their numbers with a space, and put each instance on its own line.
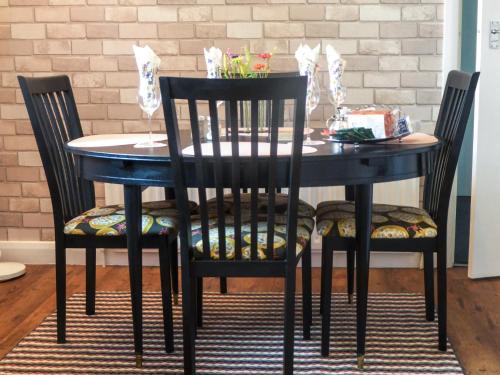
column 240, row 66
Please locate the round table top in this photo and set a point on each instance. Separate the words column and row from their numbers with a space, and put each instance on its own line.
column 329, row 165
column 414, row 144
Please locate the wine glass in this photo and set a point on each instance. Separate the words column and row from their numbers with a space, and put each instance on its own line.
column 149, row 99
column 312, row 101
column 336, row 97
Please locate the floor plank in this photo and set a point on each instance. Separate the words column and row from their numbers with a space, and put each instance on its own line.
column 474, row 308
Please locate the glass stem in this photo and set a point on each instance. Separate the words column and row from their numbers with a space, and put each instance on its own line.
column 150, row 130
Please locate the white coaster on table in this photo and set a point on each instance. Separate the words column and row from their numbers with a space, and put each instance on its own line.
column 246, row 150
column 415, row 139
column 107, row 140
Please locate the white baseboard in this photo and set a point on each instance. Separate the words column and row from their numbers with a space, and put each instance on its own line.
column 42, row 252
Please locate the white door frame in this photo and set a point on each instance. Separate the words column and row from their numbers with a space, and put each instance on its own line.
column 484, row 259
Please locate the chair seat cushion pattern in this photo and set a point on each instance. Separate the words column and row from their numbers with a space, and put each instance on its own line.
column 388, row 221
column 305, row 226
column 158, row 218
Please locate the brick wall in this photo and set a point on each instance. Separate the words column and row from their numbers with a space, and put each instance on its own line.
column 392, row 48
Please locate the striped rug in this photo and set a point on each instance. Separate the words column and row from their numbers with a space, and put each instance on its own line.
column 242, row 334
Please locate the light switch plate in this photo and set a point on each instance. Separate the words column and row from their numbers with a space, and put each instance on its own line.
column 495, row 34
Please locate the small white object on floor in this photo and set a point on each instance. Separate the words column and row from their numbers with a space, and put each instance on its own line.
column 11, row 270
column 245, row 149
column 107, row 140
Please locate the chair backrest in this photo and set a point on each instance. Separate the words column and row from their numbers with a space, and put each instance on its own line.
column 456, row 105
column 219, row 169
column 54, row 118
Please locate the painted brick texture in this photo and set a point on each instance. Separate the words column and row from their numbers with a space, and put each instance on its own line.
column 392, row 48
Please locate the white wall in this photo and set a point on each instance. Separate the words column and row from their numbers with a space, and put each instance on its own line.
column 484, row 250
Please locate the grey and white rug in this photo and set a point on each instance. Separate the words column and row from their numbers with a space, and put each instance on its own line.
column 242, row 334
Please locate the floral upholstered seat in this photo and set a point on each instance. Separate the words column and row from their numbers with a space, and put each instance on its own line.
column 388, row 221
column 158, row 218
column 305, row 226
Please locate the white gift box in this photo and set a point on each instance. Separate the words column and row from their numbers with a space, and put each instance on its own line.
column 375, row 122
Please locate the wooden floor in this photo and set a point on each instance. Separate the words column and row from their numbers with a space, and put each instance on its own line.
column 474, row 306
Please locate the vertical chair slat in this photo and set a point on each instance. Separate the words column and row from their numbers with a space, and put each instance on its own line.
column 56, row 110
column 242, row 114
column 69, row 100
column 64, row 108
column 60, row 135
column 448, row 132
column 455, row 119
column 268, row 117
column 218, row 177
column 226, row 117
column 57, row 141
column 271, row 202
column 281, row 123
column 71, row 133
column 254, row 178
column 295, row 167
column 54, row 150
column 235, row 177
column 199, row 165
column 446, row 109
column 281, row 113
column 61, row 130
column 45, row 129
column 451, row 114
column 450, row 102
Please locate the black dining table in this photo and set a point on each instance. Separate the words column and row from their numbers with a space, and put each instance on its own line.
column 330, row 165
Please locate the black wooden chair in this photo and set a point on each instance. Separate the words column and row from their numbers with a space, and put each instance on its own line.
column 78, row 223
column 225, row 238
column 397, row 228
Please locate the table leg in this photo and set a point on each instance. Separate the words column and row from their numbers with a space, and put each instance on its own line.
column 133, row 214
column 364, row 196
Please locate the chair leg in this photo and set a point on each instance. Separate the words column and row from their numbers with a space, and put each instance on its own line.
column 61, row 291
column 188, row 325
column 350, row 274
column 90, row 280
column 306, row 292
column 429, row 285
column 199, row 301
column 174, row 265
column 223, row 285
column 442, row 294
column 322, row 279
column 166, row 296
column 326, row 269
column 194, row 313
column 289, row 321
